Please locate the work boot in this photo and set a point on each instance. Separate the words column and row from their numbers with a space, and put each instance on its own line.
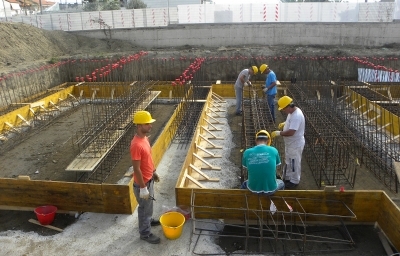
column 290, row 185
column 154, row 222
column 153, row 239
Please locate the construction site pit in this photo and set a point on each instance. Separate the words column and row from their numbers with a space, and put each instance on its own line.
column 97, row 115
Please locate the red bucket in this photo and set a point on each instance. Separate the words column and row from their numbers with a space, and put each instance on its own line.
column 46, row 214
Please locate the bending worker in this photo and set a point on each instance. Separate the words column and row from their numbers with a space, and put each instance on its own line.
column 261, row 162
column 293, row 135
column 144, row 175
column 243, row 80
column 269, row 88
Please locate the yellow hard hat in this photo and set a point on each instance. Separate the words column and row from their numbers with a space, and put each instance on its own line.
column 265, row 135
column 284, row 102
column 263, row 67
column 255, row 69
column 142, row 117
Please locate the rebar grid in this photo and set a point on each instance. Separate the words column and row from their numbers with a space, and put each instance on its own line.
column 373, row 128
column 107, row 129
column 194, row 89
column 274, row 224
column 329, row 151
column 42, row 117
column 256, row 116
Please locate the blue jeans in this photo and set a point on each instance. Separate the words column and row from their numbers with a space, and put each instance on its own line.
column 239, row 96
column 279, row 182
column 145, row 208
column 271, row 105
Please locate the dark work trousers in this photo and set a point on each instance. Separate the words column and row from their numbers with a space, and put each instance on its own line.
column 145, row 208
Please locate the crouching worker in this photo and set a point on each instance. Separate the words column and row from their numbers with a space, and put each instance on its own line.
column 261, row 162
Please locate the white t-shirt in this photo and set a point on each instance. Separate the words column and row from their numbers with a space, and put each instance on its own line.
column 295, row 121
column 246, row 74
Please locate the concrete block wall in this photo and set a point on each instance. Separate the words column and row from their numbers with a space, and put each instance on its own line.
column 216, row 35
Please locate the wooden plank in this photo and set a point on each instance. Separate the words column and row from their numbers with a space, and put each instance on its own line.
column 364, row 204
column 23, row 177
column 37, row 104
column 385, row 244
column 88, row 160
column 213, row 136
column 194, row 181
column 30, row 209
column 23, row 119
column 389, row 219
column 213, row 126
column 216, row 121
column 209, row 166
column 209, row 153
column 67, row 196
column 213, row 112
column 201, row 175
column 46, row 226
column 208, row 142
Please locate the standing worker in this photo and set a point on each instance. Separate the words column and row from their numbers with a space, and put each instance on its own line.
column 269, row 88
column 261, row 162
column 293, row 135
column 241, row 81
column 144, row 175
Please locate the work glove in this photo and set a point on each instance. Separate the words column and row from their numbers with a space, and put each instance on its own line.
column 265, row 89
column 275, row 134
column 281, row 125
column 144, row 193
column 156, row 178
column 246, row 84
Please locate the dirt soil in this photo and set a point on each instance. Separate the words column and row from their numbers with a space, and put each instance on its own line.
column 42, row 157
column 23, row 46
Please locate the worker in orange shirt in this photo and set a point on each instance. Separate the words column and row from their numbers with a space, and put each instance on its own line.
column 144, row 175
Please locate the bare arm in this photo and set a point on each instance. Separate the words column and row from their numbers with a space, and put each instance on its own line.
column 271, row 85
column 138, row 173
column 242, row 79
column 289, row 132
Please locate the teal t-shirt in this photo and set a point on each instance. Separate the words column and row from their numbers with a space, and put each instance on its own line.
column 261, row 162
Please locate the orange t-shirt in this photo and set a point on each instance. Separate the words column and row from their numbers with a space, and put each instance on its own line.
column 141, row 150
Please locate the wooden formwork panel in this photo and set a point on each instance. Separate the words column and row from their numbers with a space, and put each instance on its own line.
column 369, row 206
column 67, row 196
column 374, row 111
column 27, row 109
column 167, row 90
column 228, row 90
column 389, row 219
column 165, row 138
column 364, row 204
column 86, row 197
column 224, row 90
column 191, row 169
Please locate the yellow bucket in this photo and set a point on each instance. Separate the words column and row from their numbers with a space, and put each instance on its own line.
column 172, row 224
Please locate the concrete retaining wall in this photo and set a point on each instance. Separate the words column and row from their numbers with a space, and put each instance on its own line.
column 215, row 35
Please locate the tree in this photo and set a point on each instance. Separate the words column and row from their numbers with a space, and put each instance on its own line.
column 101, row 5
column 136, row 4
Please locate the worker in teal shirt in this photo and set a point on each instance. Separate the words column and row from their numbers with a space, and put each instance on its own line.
column 270, row 88
column 261, row 162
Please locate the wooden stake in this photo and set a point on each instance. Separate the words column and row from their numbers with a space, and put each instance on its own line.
column 209, row 142
column 210, row 154
column 46, row 226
